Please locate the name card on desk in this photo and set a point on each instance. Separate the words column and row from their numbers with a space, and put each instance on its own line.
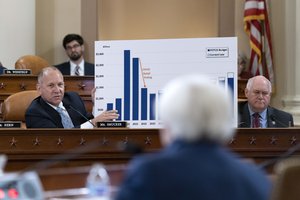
column 115, row 124
column 10, row 124
column 17, row 71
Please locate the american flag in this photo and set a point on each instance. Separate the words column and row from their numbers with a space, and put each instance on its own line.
column 256, row 25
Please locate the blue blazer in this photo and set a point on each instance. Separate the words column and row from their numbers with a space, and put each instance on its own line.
column 275, row 118
column 193, row 171
column 65, row 68
column 41, row 115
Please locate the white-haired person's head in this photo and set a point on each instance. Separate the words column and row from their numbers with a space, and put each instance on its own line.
column 192, row 108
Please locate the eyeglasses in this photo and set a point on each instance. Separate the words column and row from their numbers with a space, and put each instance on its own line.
column 75, row 46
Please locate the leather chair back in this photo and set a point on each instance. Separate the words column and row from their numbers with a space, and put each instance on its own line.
column 14, row 106
column 32, row 62
column 287, row 180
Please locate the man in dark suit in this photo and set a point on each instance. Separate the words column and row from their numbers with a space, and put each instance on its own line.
column 195, row 164
column 74, row 47
column 44, row 111
column 258, row 92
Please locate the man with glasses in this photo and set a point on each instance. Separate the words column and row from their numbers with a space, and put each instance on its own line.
column 76, row 66
column 256, row 112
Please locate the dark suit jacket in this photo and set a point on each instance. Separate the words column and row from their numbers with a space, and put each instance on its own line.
column 65, row 68
column 193, row 171
column 275, row 117
column 41, row 115
column 2, row 69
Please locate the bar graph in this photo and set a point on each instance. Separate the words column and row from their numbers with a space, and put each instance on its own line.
column 130, row 74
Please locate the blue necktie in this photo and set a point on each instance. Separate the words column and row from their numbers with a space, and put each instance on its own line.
column 65, row 119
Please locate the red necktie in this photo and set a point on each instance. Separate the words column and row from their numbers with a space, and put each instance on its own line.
column 255, row 120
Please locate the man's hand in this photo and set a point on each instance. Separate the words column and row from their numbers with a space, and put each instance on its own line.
column 106, row 116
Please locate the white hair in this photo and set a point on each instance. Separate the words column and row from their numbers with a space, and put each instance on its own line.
column 193, row 107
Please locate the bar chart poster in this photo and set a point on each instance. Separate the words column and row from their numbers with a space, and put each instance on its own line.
column 130, row 74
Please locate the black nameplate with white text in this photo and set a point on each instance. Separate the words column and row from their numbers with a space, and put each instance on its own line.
column 10, row 124
column 114, row 124
column 17, row 71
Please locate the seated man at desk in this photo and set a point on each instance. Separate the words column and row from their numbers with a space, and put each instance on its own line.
column 256, row 112
column 195, row 164
column 76, row 66
column 55, row 108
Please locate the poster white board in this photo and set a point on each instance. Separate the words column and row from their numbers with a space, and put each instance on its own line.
column 130, row 74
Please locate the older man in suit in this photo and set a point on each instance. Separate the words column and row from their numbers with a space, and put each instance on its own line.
column 76, row 66
column 55, row 108
column 194, row 164
column 256, row 112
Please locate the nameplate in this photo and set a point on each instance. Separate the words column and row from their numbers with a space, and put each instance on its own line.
column 17, row 71
column 10, row 124
column 116, row 124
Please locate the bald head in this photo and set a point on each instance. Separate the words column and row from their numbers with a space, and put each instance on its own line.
column 51, row 85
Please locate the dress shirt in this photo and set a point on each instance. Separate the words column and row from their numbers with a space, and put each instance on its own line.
column 263, row 118
column 81, row 68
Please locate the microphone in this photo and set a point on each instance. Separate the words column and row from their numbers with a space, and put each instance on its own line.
column 243, row 124
column 275, row 120
column 286, row 154
column 69, row 106
column 27, row 183
column 130, row 147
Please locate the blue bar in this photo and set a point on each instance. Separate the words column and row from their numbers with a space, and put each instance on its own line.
column 152, row 106
column 127, row 85
column 144, row 94
column 230, row 81
column 135, row 89
column 119, row 107
column 110, row 106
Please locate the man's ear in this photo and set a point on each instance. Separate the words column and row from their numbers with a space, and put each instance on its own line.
column 246, row 92
column 38, row 88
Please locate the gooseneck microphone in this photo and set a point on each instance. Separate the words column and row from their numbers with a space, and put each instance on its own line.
column 82, row 115
column 130, row 147
column 286, row 154
column 275, row 120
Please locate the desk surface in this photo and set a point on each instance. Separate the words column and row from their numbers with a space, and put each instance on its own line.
column 26, row 147
column 51, row 151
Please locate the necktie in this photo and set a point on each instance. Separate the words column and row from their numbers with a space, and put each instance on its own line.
column 65, row 119
column 77, row 68
column 255, row 120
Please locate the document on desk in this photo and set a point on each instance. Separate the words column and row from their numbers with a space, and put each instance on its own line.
column 130, row 74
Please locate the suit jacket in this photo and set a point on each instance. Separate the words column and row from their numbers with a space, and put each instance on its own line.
column 41, row 115
column 193, row 171
column 65, row 68
column 2, row 69
column 275, row 117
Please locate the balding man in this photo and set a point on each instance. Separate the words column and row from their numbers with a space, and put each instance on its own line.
column 257, row 112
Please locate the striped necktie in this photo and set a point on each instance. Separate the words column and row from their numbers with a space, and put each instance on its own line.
column 65, row 118
column 77, row 68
